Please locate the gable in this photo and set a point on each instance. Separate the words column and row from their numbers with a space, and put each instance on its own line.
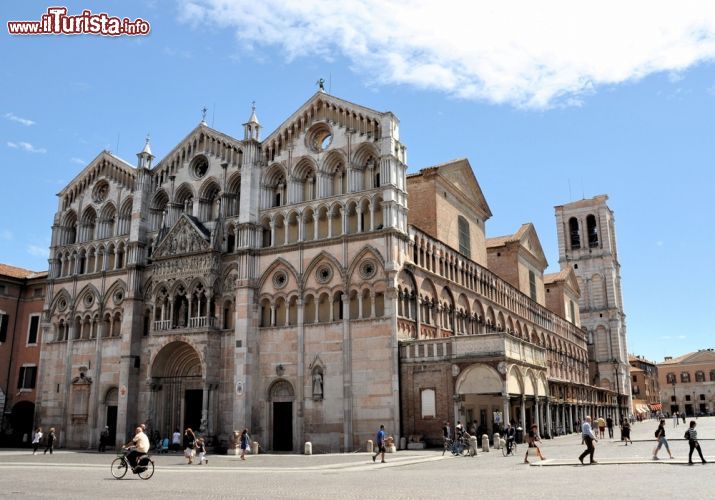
column 187, row 236
column 530, row 241
column 700, row 357
column 105, row 165
column 461, row 175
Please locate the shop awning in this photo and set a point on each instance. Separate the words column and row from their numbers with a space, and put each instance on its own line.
column 655, row 406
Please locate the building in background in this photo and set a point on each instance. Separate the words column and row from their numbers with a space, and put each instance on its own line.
column 687, row 383
column 587, row 244
column 22, row 294
column 644, row 386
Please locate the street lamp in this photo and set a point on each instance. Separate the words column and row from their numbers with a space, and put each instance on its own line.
column 675, row 400
column 618, row 389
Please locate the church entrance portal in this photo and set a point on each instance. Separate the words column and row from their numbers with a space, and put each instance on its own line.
column 282, row 397
column 177, row 389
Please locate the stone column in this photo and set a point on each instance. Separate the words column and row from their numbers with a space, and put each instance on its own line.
column 537, row 406
column 523, row 417
column 549, row 430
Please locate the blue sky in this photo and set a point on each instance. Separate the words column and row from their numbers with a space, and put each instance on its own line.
column 547, row 106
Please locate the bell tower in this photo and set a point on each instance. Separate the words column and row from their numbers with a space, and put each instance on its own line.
column 587, row 244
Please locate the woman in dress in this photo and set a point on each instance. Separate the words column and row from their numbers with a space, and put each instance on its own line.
column 245, row 440
column 626, row 431
column 189, row 445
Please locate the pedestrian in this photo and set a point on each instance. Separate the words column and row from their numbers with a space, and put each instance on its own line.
column 380, row 441
column 103, row 439
column 676, row 420
column 446, row 431
column 626, row 431
column 176, row 440
column 609, row 424
column 683, row 417
column 589, row 439
column 533, row 438
column 50, row 440
column 692, row 436
column 245, row 443
column 601, row 428
column 660, row 437
column 189, row 445
column 201, row 448
column 36, row 438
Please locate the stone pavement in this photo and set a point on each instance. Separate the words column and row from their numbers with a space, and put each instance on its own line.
column 415, row 474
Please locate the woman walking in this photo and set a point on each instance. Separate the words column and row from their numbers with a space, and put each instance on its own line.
column 533, row 438
column 50, row 440
column 245, row 446
column 692, row 436
column 36, row 438
column 189, row 445
column 660, row 437
column 626, row 431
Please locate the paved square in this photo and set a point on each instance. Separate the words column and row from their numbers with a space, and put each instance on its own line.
column 623, row 471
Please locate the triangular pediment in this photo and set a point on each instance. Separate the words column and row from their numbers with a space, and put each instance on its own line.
column 104, row 166
column 318, row 102
column 529, row 239
column 461, row 175
column 187, row 236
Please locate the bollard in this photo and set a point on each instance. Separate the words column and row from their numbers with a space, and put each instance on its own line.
column 485, row 443
column 472, row 446
column 369, row 446
column 496, row 440
column 254, row 448
column 308, row 449
column 403, row 443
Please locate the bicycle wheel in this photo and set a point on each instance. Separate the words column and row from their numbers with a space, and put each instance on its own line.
column 119, row 468
column 148, row 470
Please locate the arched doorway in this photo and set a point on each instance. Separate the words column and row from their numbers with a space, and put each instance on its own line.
column 177, row 389
column 282, row 396
column 21, row 419
column 110, row 403
column 479, row 390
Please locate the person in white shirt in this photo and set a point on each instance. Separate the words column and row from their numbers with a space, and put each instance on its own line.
column 589, row 438
column 36, row 438
column 176, row 440
column 140, row 445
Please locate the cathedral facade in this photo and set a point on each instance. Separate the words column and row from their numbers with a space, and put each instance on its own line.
column 277, row 284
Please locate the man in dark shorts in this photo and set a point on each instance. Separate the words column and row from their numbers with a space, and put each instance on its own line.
column 609, row 424
column 380, row 441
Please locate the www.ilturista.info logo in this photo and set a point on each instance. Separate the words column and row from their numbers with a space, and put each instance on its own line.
column 57, row 22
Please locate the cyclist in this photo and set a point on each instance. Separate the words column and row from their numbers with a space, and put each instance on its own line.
column 510, row 435
column 139, row 445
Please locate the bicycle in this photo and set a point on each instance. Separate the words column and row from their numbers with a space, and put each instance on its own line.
column 458, row 447
column 120, row 465
column 507, row 450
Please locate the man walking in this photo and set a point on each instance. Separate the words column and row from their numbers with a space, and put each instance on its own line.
column 589, row 439
column 609, row 424
column 380, row 441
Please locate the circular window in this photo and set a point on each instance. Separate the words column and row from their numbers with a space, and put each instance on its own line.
column 324, row 274
column 62, row 305
column 368, row 269
column 101, row 190
column 280, row 279
column 118, row 296
column 88, row 300
column 199, row 166
column 319, row 138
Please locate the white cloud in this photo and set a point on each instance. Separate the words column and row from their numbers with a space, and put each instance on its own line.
column 78, row 161
column 26, row 146
column 523, row 53
column 37, row 250
column 14, row 118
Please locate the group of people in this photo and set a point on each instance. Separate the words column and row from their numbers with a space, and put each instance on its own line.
column 589, row 438
column 49, row 440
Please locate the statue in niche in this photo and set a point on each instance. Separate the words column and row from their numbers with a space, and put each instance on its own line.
column 317, row 385
column 182, row 314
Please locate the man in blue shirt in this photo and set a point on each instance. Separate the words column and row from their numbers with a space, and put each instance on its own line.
column 380, row 441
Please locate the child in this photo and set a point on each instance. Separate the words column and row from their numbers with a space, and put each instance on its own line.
column 201, row 448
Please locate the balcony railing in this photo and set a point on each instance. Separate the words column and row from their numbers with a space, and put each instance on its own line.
column 197, row 322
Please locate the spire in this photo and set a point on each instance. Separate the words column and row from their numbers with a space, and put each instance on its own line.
column 252, row 128
column 145, row 157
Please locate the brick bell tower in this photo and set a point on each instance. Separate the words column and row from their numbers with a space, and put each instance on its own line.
column 587, row 244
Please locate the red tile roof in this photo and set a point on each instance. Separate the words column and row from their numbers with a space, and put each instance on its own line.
column 18, row 272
